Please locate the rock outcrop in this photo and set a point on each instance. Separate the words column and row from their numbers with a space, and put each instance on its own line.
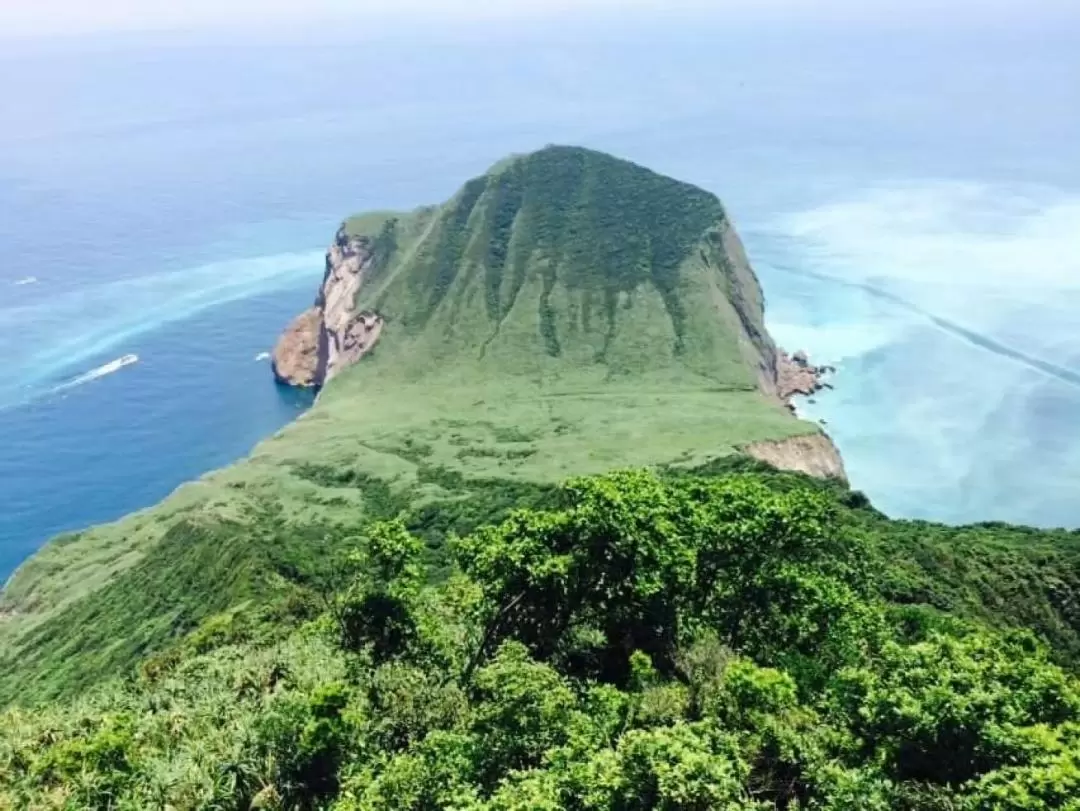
column 813, row 454
column 296, row 356
column 331, row 335
column 796, row 376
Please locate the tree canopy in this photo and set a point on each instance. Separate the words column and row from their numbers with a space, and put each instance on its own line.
column 639, row 642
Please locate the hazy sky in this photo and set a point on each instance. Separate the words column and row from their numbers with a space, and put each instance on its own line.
column 46, row 17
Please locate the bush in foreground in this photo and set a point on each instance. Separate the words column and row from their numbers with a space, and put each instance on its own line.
column 697, row 643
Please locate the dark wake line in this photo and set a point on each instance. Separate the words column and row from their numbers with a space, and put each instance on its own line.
column 1060, row 373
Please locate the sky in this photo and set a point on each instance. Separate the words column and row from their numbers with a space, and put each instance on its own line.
column 35, row 18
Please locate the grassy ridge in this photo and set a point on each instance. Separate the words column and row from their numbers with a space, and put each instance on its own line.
column 565, row 313
column 598, row 225
column 1002, row 575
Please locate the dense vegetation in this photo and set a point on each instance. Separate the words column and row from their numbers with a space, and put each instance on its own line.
column 606, row 226
column 628, row 641
column 565, row 258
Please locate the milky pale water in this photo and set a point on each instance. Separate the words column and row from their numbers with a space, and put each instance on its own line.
column 911, row 202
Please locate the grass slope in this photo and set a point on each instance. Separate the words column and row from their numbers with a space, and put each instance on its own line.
column 568, row 261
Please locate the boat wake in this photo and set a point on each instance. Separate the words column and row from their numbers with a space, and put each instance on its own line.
column 27, row 280
column 109, row 368
column 48, row 341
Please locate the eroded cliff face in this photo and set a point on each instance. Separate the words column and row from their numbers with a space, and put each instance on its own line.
column 333, row 334
column 813, row 454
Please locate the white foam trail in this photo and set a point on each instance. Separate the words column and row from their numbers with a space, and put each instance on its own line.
column 27, row 280
column 109, row 368
column 262, row 356
column 1000, row 261
column 42, row 341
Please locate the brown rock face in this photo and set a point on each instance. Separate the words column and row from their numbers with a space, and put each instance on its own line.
column 332, row 335
column 296, row 356
column 796, row 376
column 813, row 454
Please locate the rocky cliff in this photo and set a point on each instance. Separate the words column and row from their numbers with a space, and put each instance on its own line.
column 744, row 292
column 797, row 377
column 813, row 454
column 332, row 334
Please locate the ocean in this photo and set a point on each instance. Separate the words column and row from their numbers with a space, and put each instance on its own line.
column 910, row 200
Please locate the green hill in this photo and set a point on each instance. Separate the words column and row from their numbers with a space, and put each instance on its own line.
column 400, row 602
column 573, row 268
column 565, row 313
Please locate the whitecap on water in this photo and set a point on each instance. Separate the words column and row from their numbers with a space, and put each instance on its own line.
column 25, row 281
column 262, row 356
column 995, row 267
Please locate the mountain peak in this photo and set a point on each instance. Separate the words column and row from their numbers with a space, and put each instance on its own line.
column 567, row 258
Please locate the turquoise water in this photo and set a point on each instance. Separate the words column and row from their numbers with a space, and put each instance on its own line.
column 911, row 202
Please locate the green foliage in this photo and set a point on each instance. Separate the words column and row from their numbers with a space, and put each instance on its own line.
column 237, row 728
column 307, row 739
column 522, row 710
column 443, row 258
column 635, row 642
column 579, row 263
column 996, row 573
column 95, row 766
column 608, row 226
column 377, row 609
column 605, row 226
column 195, row 573
column 950, row 709
column 652, row 564
column 1051, row 780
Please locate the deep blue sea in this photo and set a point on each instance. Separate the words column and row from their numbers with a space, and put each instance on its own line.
column 911, row 201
